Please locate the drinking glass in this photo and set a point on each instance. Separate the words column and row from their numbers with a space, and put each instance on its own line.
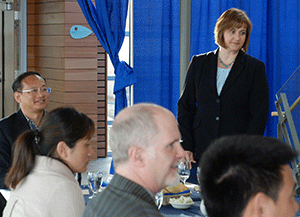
column 159, row 197
column 94, row 179
column 198, row 178
column 184, row 170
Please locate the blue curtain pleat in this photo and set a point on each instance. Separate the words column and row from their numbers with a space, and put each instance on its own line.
column 156, row 52
column 107, row 18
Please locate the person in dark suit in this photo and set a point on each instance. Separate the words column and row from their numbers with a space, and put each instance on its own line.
column 145, row 142
column 226, row 91
column 32, row 94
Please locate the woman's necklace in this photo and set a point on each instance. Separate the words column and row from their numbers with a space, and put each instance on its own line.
column 226, row 66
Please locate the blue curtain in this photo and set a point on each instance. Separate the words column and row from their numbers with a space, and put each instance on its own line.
column 107, row 18
column 275, row 40
column 156, row 52
column 275, row 37
column 283, row 43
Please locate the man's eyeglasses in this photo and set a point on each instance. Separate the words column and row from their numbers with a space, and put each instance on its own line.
column 35, row 91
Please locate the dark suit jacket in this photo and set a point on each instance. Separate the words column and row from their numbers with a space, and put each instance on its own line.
column 241, row 108
column 10, row 128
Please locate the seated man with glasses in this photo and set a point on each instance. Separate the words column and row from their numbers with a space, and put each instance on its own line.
column 32, row 94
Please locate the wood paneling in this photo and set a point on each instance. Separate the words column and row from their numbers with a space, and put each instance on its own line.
column 81, row 75
column 83, row 63
column 85, row 108
column 50, row 7
column 75, row 69
column 54, row 29
column 73, row 86
column 71, row 52
column 70, row 75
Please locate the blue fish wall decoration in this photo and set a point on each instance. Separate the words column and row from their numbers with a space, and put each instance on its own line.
column 79, row 32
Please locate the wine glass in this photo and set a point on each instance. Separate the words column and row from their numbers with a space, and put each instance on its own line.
column 184, row 170
column 159, row 197
column 198, row 174
column 94, row 179
column 198, row 187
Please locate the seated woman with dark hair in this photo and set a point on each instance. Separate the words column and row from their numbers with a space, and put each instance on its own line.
column 45, row 160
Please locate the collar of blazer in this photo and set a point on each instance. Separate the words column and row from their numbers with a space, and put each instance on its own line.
column 234, row 72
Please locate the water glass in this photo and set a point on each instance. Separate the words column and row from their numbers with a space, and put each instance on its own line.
column 94, row 179
column 184, row 170
column 159, row 197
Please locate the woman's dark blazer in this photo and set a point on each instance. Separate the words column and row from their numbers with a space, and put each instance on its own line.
column 241, row 108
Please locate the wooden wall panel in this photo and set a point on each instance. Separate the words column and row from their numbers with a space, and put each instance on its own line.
column 75, row 69
column 81, row 75
column 70, row 75
column 54, row 29
column 80, row 63
column 85, row 108
column 47, row 7
column 43, row 19
column 72, row 52
column 42, row 51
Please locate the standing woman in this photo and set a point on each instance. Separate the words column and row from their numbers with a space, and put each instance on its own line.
column 45, row 160
column 226, row 90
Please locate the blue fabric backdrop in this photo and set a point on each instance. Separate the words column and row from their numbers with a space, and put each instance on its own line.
column 156, row 52
column 275, row 40
column 283, row 43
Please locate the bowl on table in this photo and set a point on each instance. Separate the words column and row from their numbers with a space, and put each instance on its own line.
column 182, row 202
column 166, row 198
column 181, row 205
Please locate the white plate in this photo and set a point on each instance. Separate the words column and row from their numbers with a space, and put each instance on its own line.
column 181, row 205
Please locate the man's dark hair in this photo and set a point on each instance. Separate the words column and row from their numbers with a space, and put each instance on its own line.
column 236, row 168
column 17, row 85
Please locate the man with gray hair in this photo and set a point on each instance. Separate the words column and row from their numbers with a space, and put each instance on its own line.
column 145, row 142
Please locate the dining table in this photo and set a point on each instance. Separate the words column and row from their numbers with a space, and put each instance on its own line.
column 168, row 210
